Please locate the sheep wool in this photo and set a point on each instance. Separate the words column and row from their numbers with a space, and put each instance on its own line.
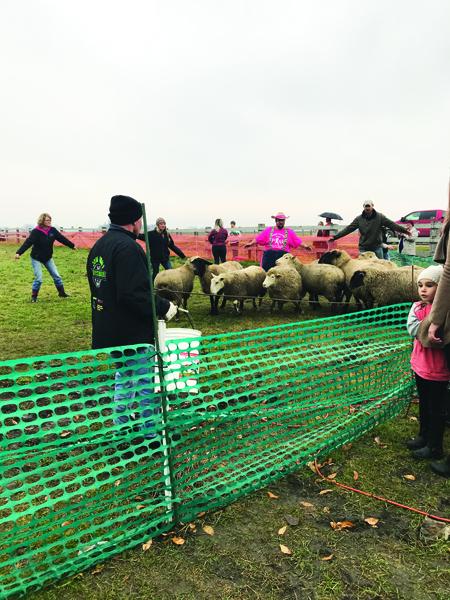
column 283, row 284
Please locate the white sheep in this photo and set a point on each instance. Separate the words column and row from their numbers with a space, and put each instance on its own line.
column 389, row 287
column 369, row 255
column 318, row 280
column 283, row 284
column 238, row 285
column 348, row 265
column 176, row 285
column 205, row 270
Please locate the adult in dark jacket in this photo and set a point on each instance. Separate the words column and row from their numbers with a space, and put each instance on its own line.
column 118, row 279
column 218, row 238
column 161, row 242
column 370, row 224
column 122, row 313
column 42, row 239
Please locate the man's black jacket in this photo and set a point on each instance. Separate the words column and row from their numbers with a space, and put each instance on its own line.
column 121, row 302
column 43, row 244
column 160, row 244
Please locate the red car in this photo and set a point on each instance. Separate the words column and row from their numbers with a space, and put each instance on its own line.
column 422, row 220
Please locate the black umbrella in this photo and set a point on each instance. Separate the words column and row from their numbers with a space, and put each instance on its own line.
column 330, row 215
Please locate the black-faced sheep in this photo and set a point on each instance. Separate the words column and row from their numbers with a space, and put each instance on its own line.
column 389, row 287
column 176, row 285
column 205, row 270
column 318, row 280
column 348, row 265
column 283, row 284
column 238, row 285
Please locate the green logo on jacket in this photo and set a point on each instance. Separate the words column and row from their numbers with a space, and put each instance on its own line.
column 98, row 271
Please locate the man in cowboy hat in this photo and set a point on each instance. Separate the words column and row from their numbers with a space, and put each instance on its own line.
column 370, row 224
column 278, row 240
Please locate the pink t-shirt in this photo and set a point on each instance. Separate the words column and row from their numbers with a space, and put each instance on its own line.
column 278, row 238
column 429, row 363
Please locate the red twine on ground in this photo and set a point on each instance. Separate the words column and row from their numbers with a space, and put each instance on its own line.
column 421, row 512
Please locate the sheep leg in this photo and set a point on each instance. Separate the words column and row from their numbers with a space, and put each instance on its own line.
column 280, row 305
column 272, row 307
column 224, row 301
column 214, row 303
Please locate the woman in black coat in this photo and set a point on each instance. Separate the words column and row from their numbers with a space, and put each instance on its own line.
column 42, row 239
column 161, row 242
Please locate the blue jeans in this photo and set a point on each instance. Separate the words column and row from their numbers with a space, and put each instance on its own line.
column 378, row 251
column 220, row 253
column 51, row 268
column 147, row 401
column 155, row 267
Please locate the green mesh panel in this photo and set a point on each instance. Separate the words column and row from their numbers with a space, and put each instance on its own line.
column 243, row 409
column 403, row 259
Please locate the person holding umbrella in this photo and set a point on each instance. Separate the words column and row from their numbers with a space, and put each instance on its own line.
column 328, row 216
column 278, row 240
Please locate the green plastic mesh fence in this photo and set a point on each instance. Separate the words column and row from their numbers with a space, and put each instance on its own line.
column 85, row 469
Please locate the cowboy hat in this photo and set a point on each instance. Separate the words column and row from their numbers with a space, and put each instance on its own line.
column 279, row 215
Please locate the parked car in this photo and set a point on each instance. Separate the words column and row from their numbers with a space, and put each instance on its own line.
column 422, row 220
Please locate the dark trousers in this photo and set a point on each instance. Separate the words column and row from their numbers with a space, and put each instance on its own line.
column 270, row 257
column 155, row 266
column 432, row 409
column 219, row 253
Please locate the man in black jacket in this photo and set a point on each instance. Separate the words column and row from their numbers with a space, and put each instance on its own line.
column 118, row 278
column 122, row 313
column 370, row 224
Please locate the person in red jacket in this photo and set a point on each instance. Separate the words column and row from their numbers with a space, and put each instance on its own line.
column 42, row 239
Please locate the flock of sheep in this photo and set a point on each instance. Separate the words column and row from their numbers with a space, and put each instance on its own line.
column 334, row 276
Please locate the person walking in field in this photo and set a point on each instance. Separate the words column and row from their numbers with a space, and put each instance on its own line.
column 41, row 239
column 278, row 240
column 370, row 224
column 431, row 371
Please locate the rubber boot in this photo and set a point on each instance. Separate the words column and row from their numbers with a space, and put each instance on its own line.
column 441, row 468
column 433, row 450
column 62, row 293
column 34, row 295
column 422, row 437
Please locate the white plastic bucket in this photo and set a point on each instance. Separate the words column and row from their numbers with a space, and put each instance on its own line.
column 180, row 364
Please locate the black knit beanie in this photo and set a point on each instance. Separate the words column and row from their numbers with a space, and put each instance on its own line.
column 124, row 210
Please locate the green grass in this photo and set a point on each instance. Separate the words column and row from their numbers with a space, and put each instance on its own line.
column 243, row 559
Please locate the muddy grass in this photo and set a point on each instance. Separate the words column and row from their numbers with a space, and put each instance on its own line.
column 243, row 558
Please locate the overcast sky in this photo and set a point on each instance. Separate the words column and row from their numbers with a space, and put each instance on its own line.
column 223, row 108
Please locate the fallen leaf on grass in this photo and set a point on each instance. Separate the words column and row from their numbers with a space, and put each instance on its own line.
column 345, row 447
column 179, row 541
column 307, row 504
column 341, row 525
column 272, row 495
column 209, row 530
column 65, row 523
column 351, row 410
column 14, row 422
column 324, row 492
column 201, row 514
column 117, row 482
column 282, row 531
column 284, row 549
column 126, row 577
column 147, row 545
column 332, row 476
column 311, row 465
column 378, row 442
column 291, row 520
column 411, row 477
column 192, row 526
column 99, row 570
column 64, row 433
column 411, row 418
column 328, row 557
column 355, row 475
column 326, row 509
column 371, row 521
column 140, row 506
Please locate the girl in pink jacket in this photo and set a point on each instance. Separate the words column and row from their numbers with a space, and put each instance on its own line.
column 432, row 374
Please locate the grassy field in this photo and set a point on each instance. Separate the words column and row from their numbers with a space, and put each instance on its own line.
column 243, row 559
